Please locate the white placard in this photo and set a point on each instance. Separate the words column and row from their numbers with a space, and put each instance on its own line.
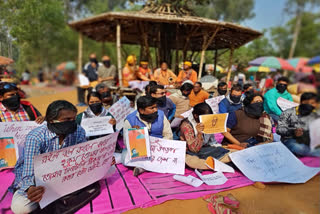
column 64, row 171
column 187, row 113
column 217, row 178
column 83, row 80
column 167, row 156
column 285, row 104
column 214, row 103
column 220, row 166
column 176, row 122
column 19, row 131
column 138, row 84
column 120, row 110
column 314, row 128
column 272, row 162
column 97, row 126
column 193, row 181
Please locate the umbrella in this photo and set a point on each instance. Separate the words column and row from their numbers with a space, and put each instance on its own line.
column 272, row 62
column 260, row 69
column 316, row 67
column 300, row 64
column 70, row 66
column 210, row 67
column 314, row 60
column 5, row 60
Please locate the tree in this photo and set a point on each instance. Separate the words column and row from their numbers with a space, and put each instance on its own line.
column 297, row 8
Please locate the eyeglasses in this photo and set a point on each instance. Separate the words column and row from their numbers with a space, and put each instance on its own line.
column 9, row 85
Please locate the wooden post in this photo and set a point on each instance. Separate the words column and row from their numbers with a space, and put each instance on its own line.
column 119, row 53
column 80, row 53
column 204, row 48
column 229, row 66
column 215, row 62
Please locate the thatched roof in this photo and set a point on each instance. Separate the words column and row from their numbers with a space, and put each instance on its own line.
column 190, row 30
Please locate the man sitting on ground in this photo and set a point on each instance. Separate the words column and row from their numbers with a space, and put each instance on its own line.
column 233, row 101
column 60, row 131
column 163, row 102
column 293, row 126
column 222, row 89
column 198, row 95
column 270, row 98
column 12, row 109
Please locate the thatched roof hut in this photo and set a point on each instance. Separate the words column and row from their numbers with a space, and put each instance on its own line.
column 166, row 28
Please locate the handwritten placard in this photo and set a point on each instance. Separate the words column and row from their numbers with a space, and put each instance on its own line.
column 120, row 110
column 138, row 84
column 167, row 156
column 285, row 104
column 214, row 103
column 214, row 123
column 187, row 113
column 193, row 181
column 314, row 128
column 69, row 169
column 217, row 178
column 272, row 162
column 19, row 131
column 97, row 126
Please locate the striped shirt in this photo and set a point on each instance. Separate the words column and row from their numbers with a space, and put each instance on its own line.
column 40, row 140
column 8, row 116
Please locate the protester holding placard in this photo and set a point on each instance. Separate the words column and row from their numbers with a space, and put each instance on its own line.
column 149, row 116
column 163, row 102
column 181, row 100
column 12, row 109
column 293, row 126
column 233, row 101
column 199, row 144
column 95, row 109
column 60, row 131
column 270, row 103
column 250, row 125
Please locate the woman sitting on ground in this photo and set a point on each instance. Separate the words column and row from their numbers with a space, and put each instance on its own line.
column 199, row 144
column 95, row 109
column 250, row 125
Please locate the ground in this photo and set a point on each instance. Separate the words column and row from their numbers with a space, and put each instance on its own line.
column 274, row 198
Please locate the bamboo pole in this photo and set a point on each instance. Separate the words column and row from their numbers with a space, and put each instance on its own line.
column 119, row 53
column 202, row 55
column 229, row 66
column 215, row 62
column 80, row 43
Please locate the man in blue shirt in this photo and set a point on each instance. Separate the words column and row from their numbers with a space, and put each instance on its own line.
column 233, row 101
column 270, row 98
column 163, row 102
column 60, row 131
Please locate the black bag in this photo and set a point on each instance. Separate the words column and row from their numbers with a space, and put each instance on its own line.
column 73, row 202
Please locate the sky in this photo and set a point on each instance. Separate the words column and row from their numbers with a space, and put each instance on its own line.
column 268, row 13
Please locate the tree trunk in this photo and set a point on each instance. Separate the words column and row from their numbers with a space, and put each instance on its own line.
column 296, row 33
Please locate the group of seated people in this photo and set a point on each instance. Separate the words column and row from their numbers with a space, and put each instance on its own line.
column 252, row 119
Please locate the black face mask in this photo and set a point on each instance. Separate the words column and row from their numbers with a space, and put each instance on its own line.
column 106, row 63
column 105, row 94
column 12, row 103
column 281, row 88
column 162, row 101
column 222, row 91
column 96, row 108
column 235, row 99
column 93, row 60
column 254, row 109
column 305, row 109
column 150, row 118
column 63, row 128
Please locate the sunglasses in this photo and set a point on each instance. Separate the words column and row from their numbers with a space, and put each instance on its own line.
column 9, row 86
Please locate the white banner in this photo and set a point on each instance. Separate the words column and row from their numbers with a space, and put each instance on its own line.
column 120, row 110
column 64, row 171
column 214, row 103
column 167, row 156
column 272, row 162
column 285, row 104
column 19, row 131
column 97, row 126
column 314, row 128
